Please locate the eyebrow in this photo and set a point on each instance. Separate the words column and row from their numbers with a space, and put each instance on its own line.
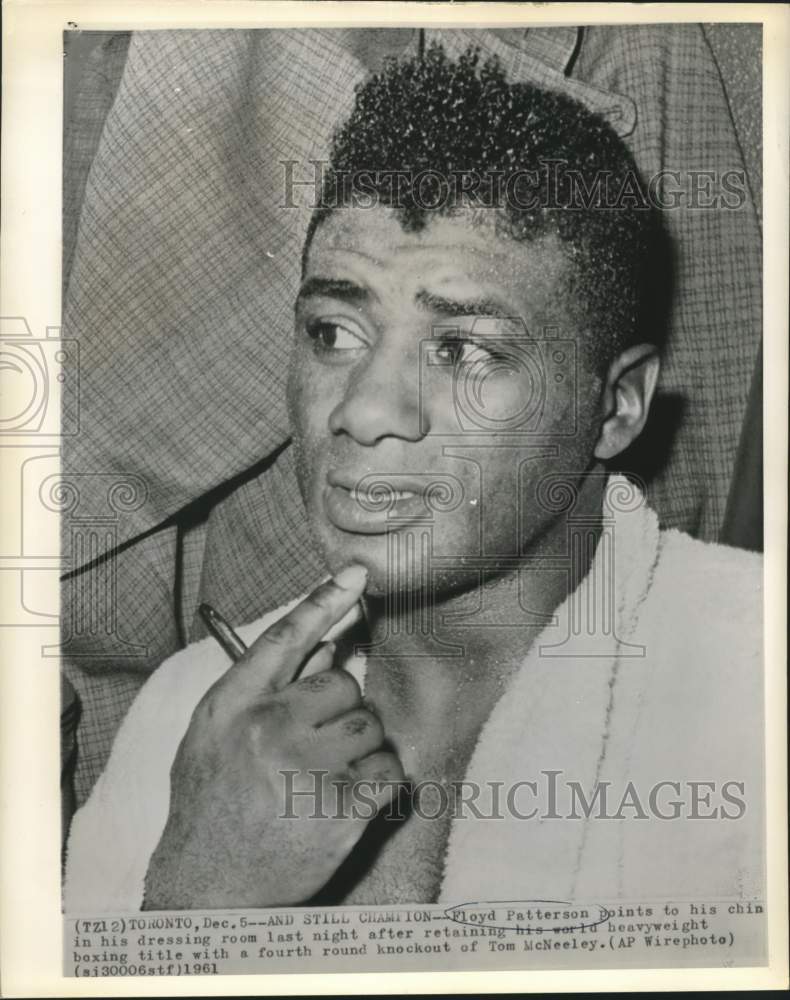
column 354, row 294
column 334, row 288
column 480, row 306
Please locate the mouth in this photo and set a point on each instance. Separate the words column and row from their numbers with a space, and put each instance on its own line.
column 373, row 503
column 377, row 496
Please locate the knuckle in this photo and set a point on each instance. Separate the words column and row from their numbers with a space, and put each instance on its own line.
column 274, row 714
column 281, row 633
column 322, row 598
column 382, row 766
column 392, row 767
column 340, row 778
column 254, row 735
column 206, row 709
column 362, row 722
column 316, row 682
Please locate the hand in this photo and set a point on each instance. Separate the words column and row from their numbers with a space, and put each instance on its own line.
column 227, row 841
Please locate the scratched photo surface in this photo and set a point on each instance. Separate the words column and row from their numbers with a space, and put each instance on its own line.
column 411, row 498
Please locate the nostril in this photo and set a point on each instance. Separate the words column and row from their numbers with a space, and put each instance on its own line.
column 368, row 417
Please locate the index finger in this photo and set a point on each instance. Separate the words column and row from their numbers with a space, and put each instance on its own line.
column 272, row 661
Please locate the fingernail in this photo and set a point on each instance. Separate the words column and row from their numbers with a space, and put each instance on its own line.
column 352, row 577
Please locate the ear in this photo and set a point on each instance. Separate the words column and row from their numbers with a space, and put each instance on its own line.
column 628, row 392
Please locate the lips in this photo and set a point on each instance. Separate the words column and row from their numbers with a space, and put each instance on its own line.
column 373, row 496
column 372, row 503
column 368, row 483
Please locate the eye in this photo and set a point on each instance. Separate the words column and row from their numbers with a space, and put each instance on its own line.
column 329, row 336
column 462, row 352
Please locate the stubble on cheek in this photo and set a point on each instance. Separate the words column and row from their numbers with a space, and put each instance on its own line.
column 295, row 395
column 308, row 446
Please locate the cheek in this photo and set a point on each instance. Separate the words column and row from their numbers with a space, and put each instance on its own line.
column 496, row 397
column 558, row 405
column 310, row 400
column 294, row 389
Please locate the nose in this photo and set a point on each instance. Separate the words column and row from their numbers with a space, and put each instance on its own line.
column 382, row 399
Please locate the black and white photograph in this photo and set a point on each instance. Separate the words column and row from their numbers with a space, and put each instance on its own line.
column 409, row 482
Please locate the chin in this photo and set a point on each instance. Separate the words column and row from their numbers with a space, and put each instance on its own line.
column 371, row 551
column 340, row 549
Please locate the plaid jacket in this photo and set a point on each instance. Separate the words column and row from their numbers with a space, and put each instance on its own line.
column 181, row 264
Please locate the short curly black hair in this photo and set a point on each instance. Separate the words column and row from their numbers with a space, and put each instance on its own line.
column 446, row 124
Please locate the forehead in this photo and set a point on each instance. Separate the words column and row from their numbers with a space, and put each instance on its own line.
column 471, row 245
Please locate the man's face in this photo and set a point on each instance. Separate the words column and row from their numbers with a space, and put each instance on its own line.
column 427, row 397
